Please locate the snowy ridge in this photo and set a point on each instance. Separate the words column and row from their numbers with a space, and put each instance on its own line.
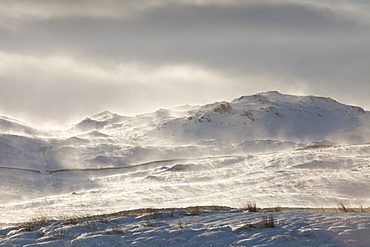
column 268, row 115
column 10, row 125
column 98, row 121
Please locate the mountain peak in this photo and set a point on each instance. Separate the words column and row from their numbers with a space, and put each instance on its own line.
column 270, row 93
column 103, row 115
column 263, row 98
column 275, row 98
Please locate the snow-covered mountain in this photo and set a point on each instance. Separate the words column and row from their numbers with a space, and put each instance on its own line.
column 268, row 147
column 268, row 115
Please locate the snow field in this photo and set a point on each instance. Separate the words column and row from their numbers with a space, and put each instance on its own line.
column 208, row 228
column 321, row 177
column 268, row 148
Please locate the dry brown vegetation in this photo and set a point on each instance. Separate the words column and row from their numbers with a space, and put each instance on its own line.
column 268, row 221
column 251, row 207
column 33, row 223
column 155, row 213
column 346, row 209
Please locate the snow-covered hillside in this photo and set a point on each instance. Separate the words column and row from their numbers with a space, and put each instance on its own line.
column 297, row 151
column 268, row 115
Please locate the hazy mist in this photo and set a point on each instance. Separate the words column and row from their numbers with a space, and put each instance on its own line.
column 63, row 60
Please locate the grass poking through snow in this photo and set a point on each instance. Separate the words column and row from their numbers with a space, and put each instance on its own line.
column 30, row 225
column 268, row 221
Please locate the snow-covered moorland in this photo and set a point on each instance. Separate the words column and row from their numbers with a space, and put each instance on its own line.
column 202, row 228
column 268, row 148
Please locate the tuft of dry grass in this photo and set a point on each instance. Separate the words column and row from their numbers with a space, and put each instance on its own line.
column 172, row 212
column 91, row 225
column 346, row 209
column 29, row 226
column 69, row 220
column 103, row 219
column 277, row 209
column 251, row 206
column 194, row 211
column 342, row 208
column 268, row 221
column 149, row 210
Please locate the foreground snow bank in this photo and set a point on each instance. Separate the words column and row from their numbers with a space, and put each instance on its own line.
column 198, row 228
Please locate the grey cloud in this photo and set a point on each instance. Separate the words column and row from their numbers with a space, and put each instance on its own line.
column 182, row 32
column 322, row 48
column 24, row 10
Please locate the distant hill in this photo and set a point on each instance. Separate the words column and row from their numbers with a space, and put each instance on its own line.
column 269, row 115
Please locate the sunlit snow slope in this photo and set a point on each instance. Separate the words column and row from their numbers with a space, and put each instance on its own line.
column 270, row 148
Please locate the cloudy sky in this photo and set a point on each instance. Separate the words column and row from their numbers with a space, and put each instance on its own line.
column 62, row 60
